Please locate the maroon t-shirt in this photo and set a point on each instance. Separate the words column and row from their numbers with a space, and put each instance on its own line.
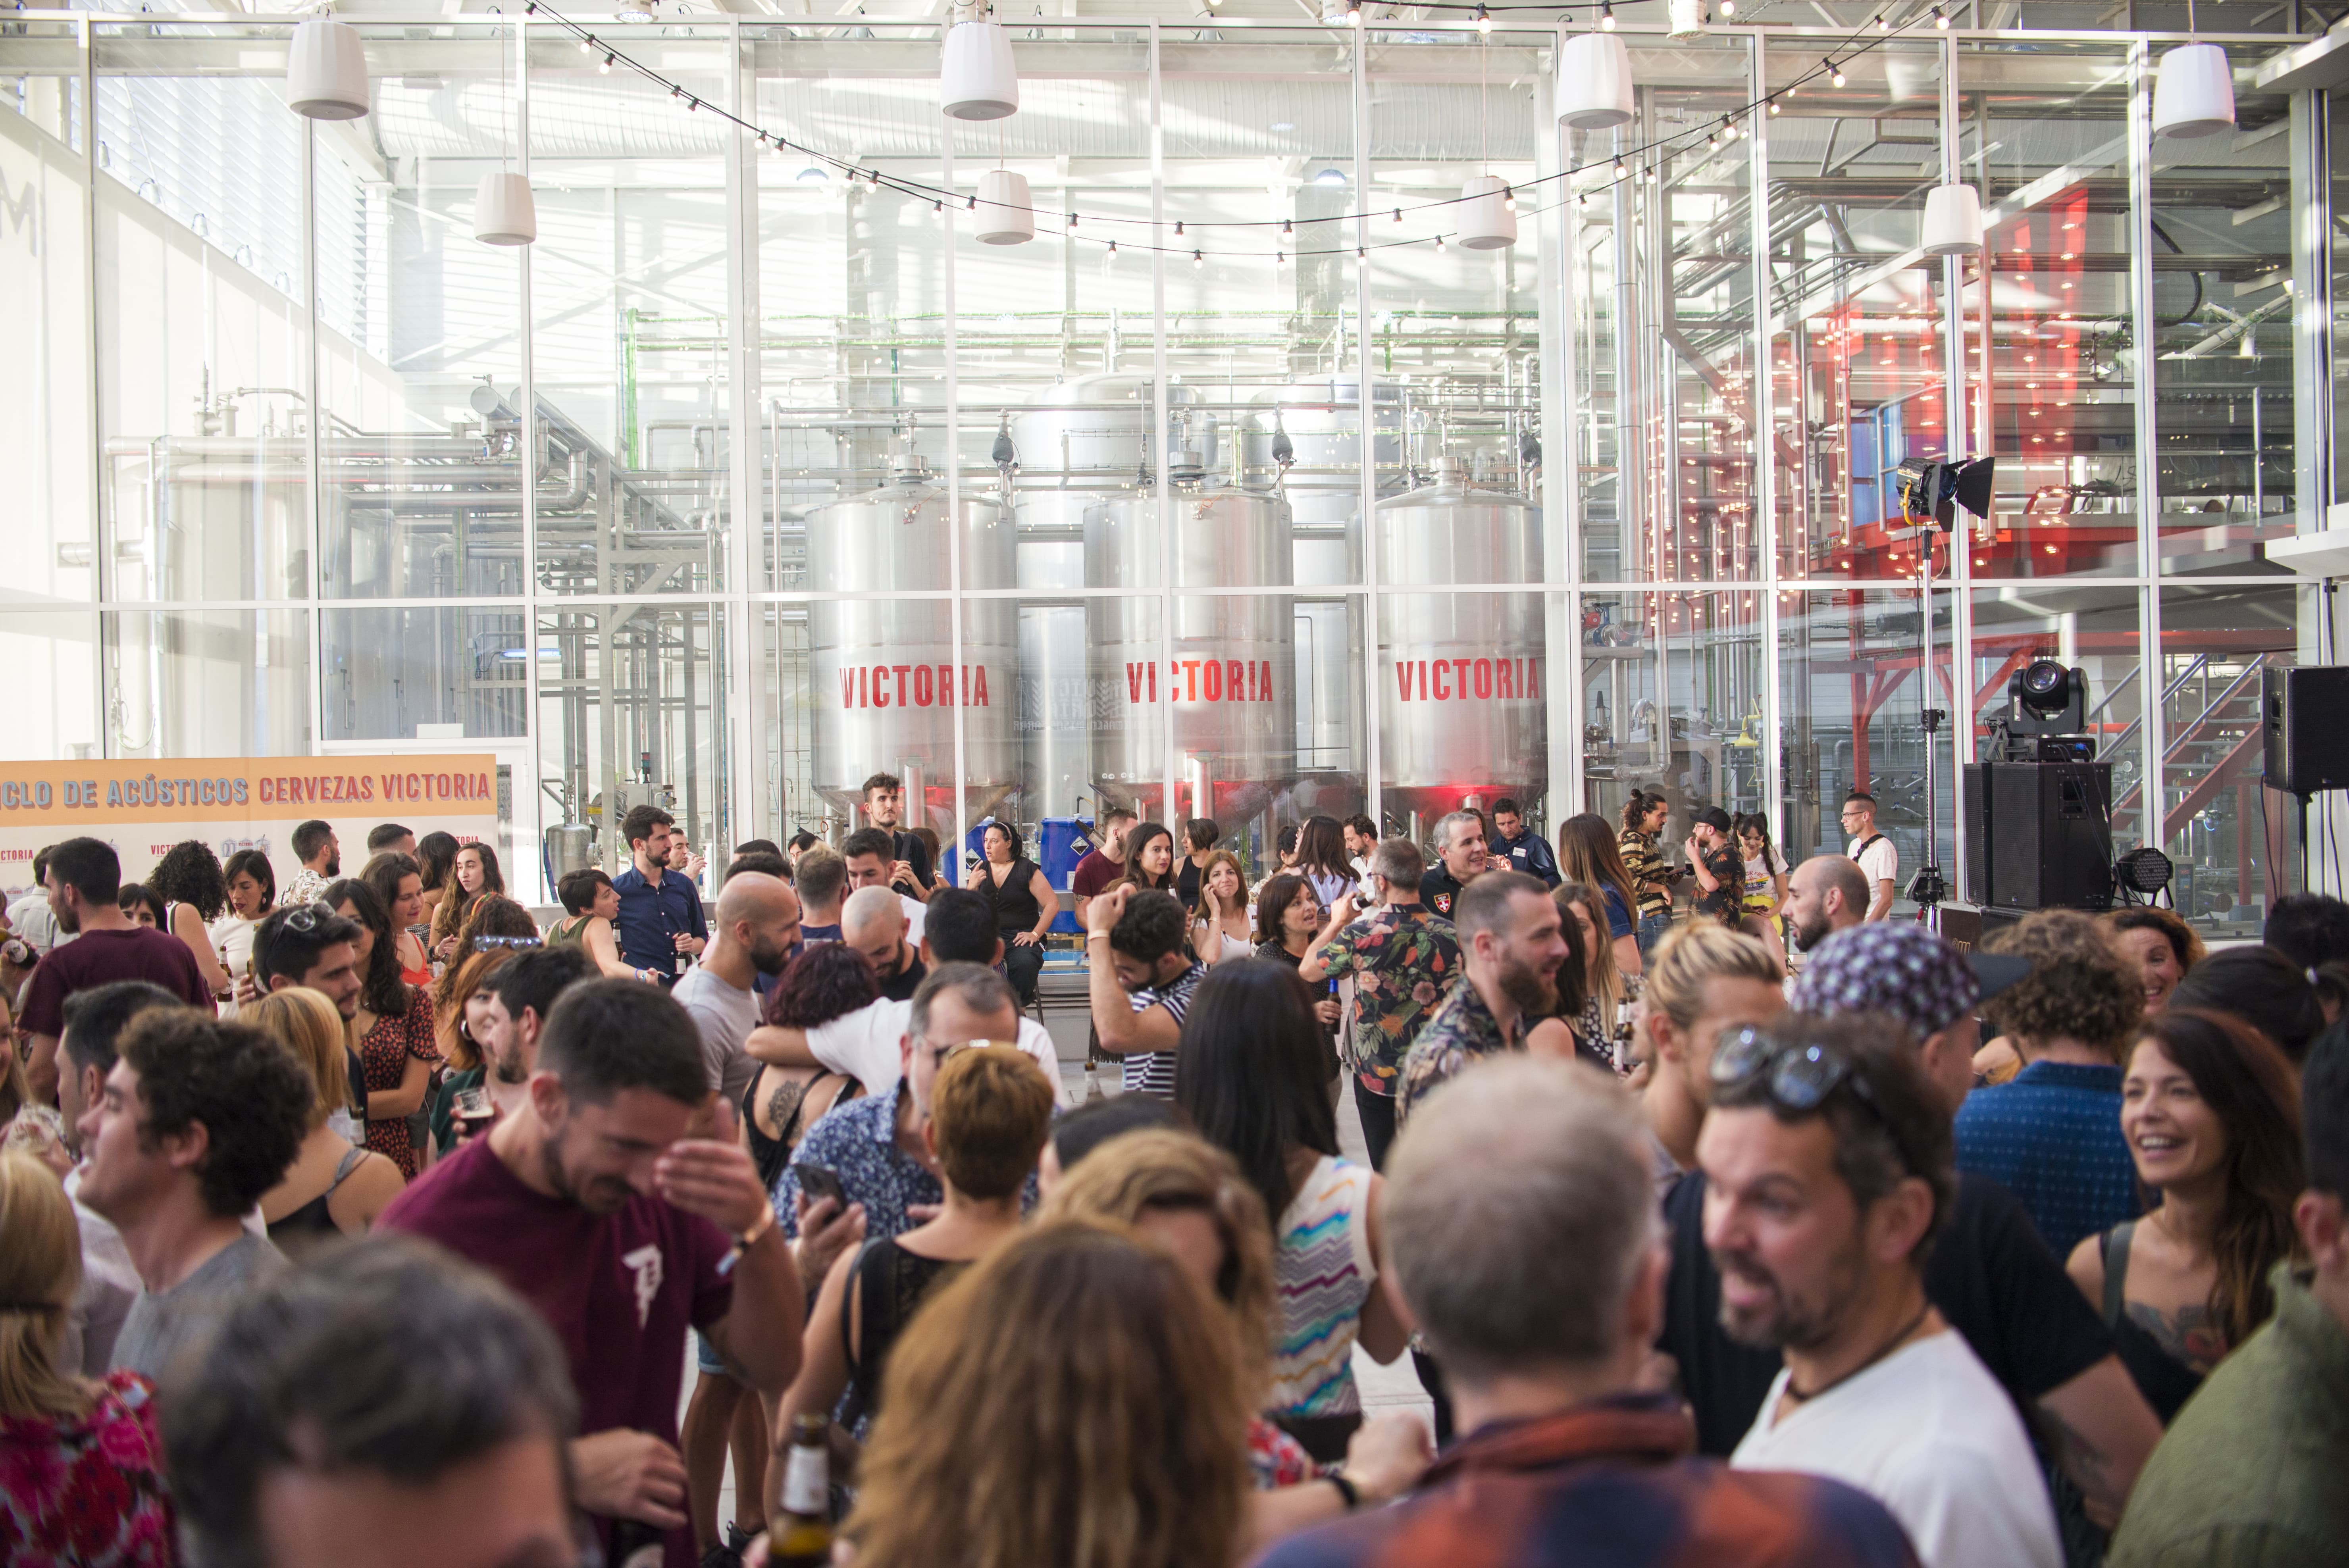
column 1095, row 875
column 99, row 957
column 620, row 1289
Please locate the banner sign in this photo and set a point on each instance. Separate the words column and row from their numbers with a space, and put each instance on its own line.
column 233, row 803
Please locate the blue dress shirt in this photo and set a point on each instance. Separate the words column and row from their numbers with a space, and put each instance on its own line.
column 650, row 918
column 2052, row 1136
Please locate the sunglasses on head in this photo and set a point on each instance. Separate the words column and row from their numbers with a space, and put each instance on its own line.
column 1798, row 1076
column 304, row 917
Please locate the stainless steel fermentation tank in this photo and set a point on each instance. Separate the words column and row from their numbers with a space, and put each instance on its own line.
column 1087, row 509
column 1226, row 672
column 884, row 674
column 1462, row 683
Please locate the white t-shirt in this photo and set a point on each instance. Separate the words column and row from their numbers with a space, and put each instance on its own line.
column 725, row 1014
column 863, row 1044
column 1877, row 862
column 31, row 918
column 1929, row 1433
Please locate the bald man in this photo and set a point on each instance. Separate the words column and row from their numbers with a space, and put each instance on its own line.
column 874, row 922
column 1828, row 893
column 758, row 925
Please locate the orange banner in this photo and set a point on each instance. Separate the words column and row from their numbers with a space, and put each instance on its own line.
column 85, row 797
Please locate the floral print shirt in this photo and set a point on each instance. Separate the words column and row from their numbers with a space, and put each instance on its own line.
column 1404, row 957
column 1461, row 1030
column 87, row 1491
column 1726, row 901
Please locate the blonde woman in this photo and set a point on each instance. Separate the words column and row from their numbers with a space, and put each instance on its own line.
column 1074, row 1398
column 1190, row 1197
column 84, row 1470
column 332, row 1189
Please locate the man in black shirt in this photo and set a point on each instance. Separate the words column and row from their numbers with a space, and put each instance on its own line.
column 884, row 808
column 1459, row 860
column 1991, row 1275
column 874, row 922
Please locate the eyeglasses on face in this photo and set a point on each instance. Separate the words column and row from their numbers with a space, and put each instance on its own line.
column 939, row 1054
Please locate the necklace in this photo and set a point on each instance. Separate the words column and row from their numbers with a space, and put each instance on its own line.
column 1881, row 1351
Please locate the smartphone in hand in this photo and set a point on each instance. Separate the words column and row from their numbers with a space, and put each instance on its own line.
column 819, row 1182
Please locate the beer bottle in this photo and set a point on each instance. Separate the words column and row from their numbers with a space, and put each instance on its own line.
column 803, row 1537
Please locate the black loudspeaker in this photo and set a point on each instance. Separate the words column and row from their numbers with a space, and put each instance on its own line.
column 2305, row 712
column 2039, row 835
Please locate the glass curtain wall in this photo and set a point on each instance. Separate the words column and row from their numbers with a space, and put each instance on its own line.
column 1246, row 489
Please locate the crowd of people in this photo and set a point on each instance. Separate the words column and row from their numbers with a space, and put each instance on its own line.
column 1724, row 1217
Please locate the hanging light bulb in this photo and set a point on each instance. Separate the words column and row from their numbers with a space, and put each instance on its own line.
column 1178, row 228
column 325, row 70
column 1620, row 170
column 1287, row 227
column 1362, row 254
column 1773, row 105
column 1729, row 8
column 606, row 68
column 1197, row 260
column 1398, row 216
column 1594, row 81
column 1941, row 18
column 1713, row 141
column 1835, row 72
column 588, row 45
column 1883, row 24
column 1072, row 222
column 1606, row 15
column 1439, row 242
column 977, row 77
column 1281, row 258
column 1509, row 198
column 1353, row 12
column 1484, row 21
column 1112, row 247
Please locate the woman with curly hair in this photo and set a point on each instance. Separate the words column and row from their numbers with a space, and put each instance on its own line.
column 2211, row 1112
column 2163, row 944
column 393, row 1028
column 828, row 980
column 474, row 876
column 188, row 881
column 2053, row 1135
column 1122, row 1446
column 494, row 920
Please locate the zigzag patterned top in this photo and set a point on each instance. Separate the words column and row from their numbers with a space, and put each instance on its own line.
column 1322, row 1264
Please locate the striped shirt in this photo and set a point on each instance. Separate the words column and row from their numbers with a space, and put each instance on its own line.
column 1322, row 1262
column 1152, row 1072
column 1650, row 879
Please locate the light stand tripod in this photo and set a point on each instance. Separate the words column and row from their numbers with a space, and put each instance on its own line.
column 1930, row 888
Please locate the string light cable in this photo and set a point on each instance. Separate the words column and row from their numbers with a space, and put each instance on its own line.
column 1634, row 161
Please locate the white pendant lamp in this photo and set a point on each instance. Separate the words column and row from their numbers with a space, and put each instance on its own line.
column 1953, row 220
column 1485, row 222
column 977, row 79
column 1005, row 214
column 2194, row 92
column 1684, row 19
column 504, row 212
column 1594, row 82
column 325, row 70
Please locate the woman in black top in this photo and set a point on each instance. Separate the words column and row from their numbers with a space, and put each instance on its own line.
column 1025, row 904
column 1201, row 834
column 991, row 1112
column 828, row 980
column 1288, row 917
column 2211, row 1112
